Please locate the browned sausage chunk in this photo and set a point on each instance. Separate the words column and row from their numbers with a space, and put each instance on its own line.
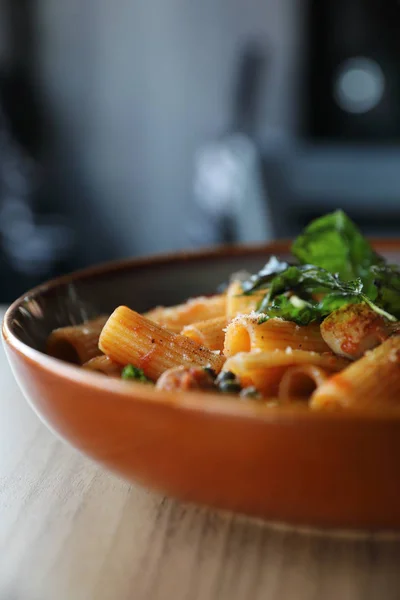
column 185, row 378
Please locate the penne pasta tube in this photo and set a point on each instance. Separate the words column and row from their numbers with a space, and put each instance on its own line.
column 210, row 333
column 76, row 344
column 264, row 370
column 239, row 304
column 245, row 334
column 371, row 382
column 198, row 309
column 104, row 364
column 128, row 337
column 300, row 382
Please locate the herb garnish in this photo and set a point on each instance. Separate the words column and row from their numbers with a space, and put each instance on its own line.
column 335, row 243
column 339, row 268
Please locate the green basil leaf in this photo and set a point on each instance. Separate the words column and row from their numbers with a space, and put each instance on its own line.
column 291, row 309
column 260, row 279
column 386, row 282
column 305, row 280
column 335, row 243
column 337, row 261
column 336, row 300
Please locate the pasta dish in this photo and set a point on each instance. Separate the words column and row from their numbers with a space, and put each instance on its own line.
column 322, row 330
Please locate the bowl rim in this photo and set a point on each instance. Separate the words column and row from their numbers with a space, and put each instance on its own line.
column 194, row 401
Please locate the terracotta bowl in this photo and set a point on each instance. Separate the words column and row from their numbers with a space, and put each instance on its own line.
column 288, row 465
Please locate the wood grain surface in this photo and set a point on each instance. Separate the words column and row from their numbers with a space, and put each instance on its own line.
column 71, row 531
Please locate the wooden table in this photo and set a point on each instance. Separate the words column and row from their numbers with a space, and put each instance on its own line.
column 71, row 531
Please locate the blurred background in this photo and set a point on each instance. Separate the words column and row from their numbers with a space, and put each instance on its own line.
column 132, row 127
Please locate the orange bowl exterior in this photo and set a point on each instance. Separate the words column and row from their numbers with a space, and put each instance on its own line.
column 289, row 465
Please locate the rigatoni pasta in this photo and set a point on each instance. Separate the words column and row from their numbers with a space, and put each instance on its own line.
column 264, row 370
column 245, row 334
column 104, row 364
column 209, row 333
column 324, row 331
column 129, row 337
column 299, row 382
column 76, row 344
column 194, row 310
column 370, row 382
column 239, row 304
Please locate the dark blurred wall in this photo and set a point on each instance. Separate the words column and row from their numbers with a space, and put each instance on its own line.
column 130, row 90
